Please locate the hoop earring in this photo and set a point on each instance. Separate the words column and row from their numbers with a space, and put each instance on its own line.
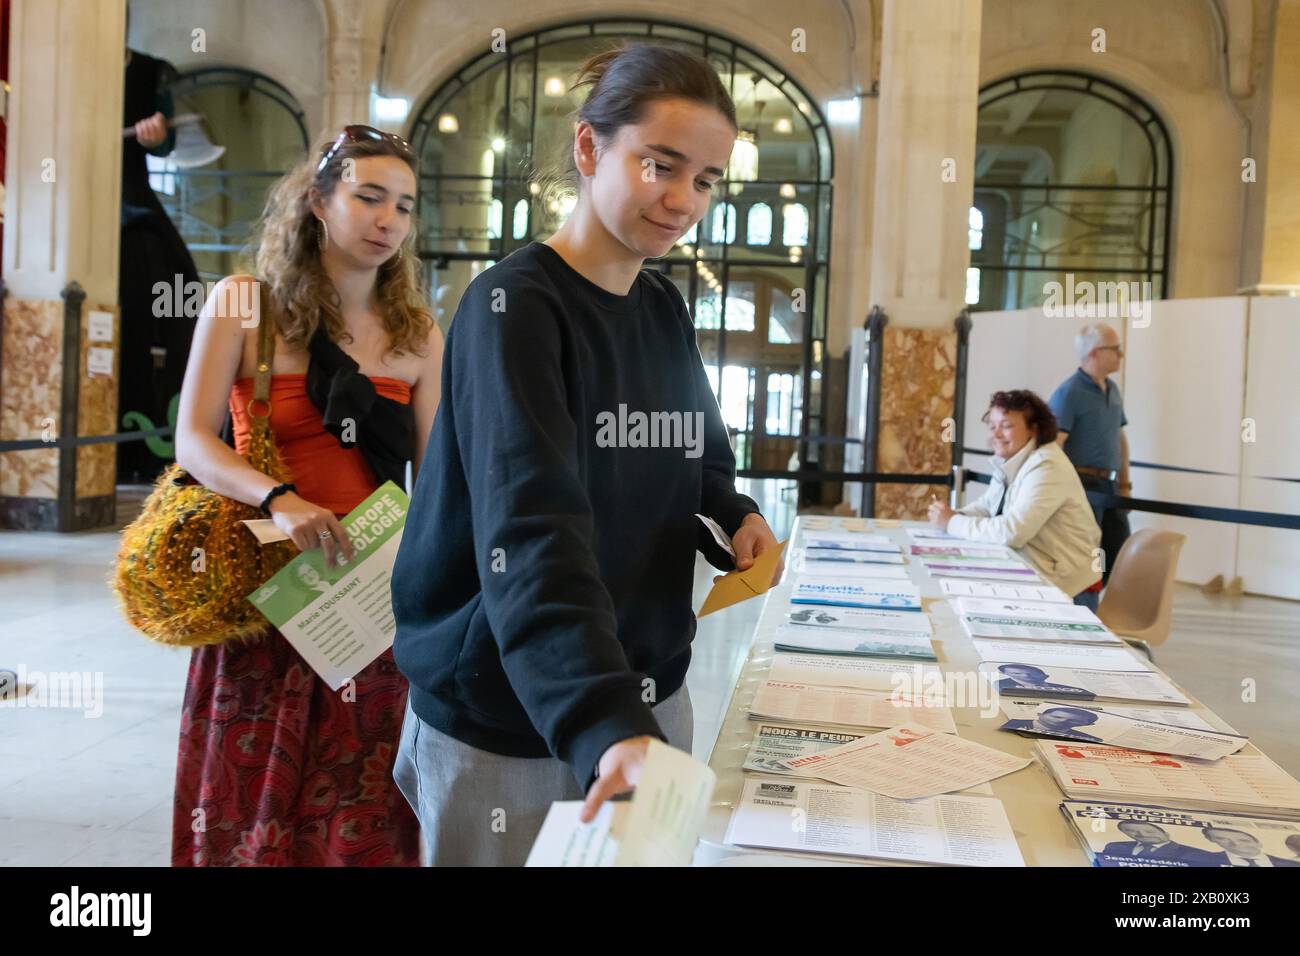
column 322, row 234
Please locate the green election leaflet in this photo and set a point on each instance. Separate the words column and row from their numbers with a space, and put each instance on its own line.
column 340, row 619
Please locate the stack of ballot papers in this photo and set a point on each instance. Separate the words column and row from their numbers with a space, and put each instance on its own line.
column 854, row 642
column 908, row 762
column 659, row 826
column 774, row 743
column 848, row 542
column 986, row 569
column 1039, row 627
column 1097, row 726
column 1101, row 657
column 1246, row 782
column 862, row 673
column 960, row 587
column 862, row 619
column 1016, row 679
column 831, row 556
column 929, row 550
column 809, row 567
column 846, row 707
column 851, row 592
column 1130, row 834
column 823, row 818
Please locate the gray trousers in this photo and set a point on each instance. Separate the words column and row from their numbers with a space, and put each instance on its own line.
column 477, row 808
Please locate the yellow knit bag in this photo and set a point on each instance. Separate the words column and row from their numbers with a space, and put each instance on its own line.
column 186, row 565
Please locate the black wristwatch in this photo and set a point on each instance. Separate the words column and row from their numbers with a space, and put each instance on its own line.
column 273, row 493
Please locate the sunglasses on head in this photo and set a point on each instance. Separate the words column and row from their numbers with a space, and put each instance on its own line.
column 359, row 133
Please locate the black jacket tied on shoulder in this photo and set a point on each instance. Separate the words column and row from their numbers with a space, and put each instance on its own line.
column 383, row 429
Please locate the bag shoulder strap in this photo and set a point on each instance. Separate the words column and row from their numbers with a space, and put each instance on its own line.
column 265, row 346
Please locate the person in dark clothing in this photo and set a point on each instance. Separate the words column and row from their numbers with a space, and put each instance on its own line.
column 152, row 251
column 542, row 591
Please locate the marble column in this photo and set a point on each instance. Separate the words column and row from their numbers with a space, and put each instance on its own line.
column 1278, row 219
column 63, row 167
column 925, row 161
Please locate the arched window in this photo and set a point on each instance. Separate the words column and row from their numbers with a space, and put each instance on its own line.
column 723, row 229
column 758, row 225
column 216, row 207
column 515, row 109
column 794, row 224
column 1073, row 177
column 519, row 228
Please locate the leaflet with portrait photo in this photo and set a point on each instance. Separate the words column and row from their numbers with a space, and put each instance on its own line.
column 1074, row 722
column 1022, row 679
column 1132, row 835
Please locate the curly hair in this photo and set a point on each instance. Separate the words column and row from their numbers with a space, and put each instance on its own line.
column 288, row 259
column 1038, row 416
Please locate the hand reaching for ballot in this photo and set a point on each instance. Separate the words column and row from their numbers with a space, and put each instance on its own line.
column 618, row 772
column 940, row 513
column 751, row 539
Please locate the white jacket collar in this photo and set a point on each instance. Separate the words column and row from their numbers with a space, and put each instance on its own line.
column 1010, row 467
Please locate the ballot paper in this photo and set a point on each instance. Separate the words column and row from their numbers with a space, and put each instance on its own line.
column 848, row 592
column 959, row 550
column 846, row 707
column 1244, row 782
column 1101, row 657
column 721, row 537
column 341, row 618
column 854, row 570
column 774, row 743
column 863, row 673
column 801, row 638
column 931, row 534
column 840, row 556
column 908, row 762
column 821, row 818
column 959, row 587
column 861, row 618
column 849, row 541
column 1025, row 710
column 935, row 563
column 1030, row 610
column 1131, row 834
column 1022, row 574
column 1035, row 629
column 740, row 586
column 1015, row 679
column 659, row 826
column 1074, row 722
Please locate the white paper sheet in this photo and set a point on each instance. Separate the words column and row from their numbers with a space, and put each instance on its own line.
column 909, row 762
column 821, row 818
column 845, row 707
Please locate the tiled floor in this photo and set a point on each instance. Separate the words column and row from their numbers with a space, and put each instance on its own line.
column 97, row 790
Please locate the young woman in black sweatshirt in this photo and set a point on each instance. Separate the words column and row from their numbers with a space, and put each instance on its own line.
column 543, row 587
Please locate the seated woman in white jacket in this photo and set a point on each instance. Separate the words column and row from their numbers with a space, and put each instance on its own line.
column 1035, row 502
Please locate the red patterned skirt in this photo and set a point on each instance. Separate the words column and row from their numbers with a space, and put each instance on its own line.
column 276, row 769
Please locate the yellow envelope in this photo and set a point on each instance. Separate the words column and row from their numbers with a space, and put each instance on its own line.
column 737, row 586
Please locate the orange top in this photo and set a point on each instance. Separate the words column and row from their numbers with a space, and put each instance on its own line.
column 324, row 472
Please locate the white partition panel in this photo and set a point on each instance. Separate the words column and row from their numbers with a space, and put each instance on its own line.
column 1182, row 386
column 1273, row 389
column 998, row 359
column 1211, row 546
column 1269, row 558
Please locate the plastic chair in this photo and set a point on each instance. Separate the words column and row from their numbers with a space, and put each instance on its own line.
column 1138, row 601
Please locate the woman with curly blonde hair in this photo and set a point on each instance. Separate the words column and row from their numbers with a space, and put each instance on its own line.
column 274, row 767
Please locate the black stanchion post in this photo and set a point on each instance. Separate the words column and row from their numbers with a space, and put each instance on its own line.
column 875, row 326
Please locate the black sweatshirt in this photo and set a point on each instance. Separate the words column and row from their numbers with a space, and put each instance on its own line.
column 545, row 572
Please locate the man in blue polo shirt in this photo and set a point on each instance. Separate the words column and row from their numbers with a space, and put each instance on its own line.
column 1090, row 415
